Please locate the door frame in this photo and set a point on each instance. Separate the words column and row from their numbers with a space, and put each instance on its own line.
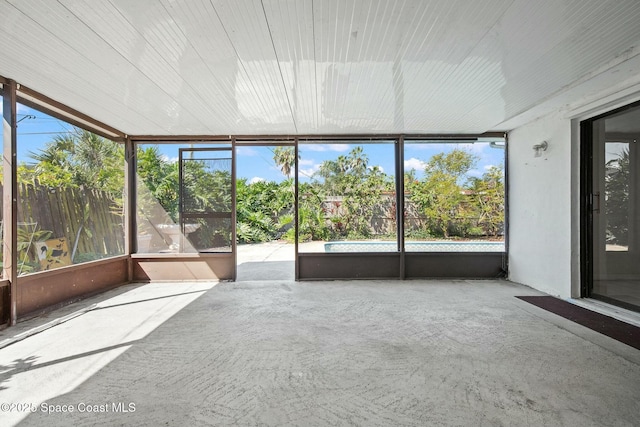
column 266, row 142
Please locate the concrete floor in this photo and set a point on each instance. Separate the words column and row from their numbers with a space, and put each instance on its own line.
column 373, row 353
column 279, row 352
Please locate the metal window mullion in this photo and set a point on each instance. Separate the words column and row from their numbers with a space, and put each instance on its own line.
column 505, row 197
column 234, row 209
column 180, row 197
column 296, row 210
column 399, row 157
column 130, row 204
column 10, row 196
column 130, row 225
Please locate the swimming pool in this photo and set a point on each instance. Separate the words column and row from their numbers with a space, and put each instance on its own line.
column 428, row 246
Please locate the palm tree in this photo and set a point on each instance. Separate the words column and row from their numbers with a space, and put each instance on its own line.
column 285, row 158
column 55, row 153
column 92, row 155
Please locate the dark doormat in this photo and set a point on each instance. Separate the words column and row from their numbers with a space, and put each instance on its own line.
column 616, row 329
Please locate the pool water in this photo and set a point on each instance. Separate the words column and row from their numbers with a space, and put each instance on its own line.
column 430, row 246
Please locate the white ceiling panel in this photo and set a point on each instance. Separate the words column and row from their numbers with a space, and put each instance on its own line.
column 51, row 68
column 561, row 43
column 224, row 67
column 260, row 91
column 291, row 29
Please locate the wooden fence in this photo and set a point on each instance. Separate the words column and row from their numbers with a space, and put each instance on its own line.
column 89, row 220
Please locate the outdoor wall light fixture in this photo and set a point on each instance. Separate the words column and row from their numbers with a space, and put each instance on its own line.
column 539, row 148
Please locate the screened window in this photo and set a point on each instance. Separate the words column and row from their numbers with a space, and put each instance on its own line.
column 454, row 196
column 70, row 189
column 184, row 198
column 347, row 197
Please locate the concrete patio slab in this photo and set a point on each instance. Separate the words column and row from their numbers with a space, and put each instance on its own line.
column 266, row 261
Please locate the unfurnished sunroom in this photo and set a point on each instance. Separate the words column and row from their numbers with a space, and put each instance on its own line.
column 532, row 103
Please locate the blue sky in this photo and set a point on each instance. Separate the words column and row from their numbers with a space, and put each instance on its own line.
column 35, row 129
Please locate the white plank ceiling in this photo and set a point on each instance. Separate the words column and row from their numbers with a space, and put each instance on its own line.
column 222, row 67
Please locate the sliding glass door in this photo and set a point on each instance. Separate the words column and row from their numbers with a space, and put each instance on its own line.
column 614, row 207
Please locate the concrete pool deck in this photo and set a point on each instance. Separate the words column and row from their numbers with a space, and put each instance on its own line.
column 266, row 261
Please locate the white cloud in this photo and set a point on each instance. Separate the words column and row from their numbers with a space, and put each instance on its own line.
column 414, row 163
column 487, row 167
column 476, row 173
column 479, row 148
column 169, row 159
column 246, row 151
column 476, row 148
column 339, row 147
column 327, row 147
column 438, row 146
column 309, row 171
column 256, row 179
column 306, row 162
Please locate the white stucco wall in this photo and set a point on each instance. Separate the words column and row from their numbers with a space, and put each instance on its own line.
column 544, row 192
column 540, row 206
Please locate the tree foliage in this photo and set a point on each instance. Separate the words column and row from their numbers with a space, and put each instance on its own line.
column 285, row 158
column 71, row 161
column 487, row 201
column 617, row 200
column 341, row 201
column 264, row 210
column 80, row 158
column 440, row 195
column 160, row 178
column 455, row 204
column 356, row 190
